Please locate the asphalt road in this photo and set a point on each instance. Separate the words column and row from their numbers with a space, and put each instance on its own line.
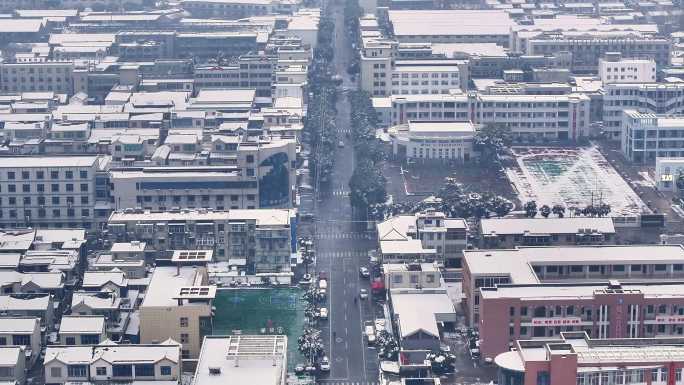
column 342, row 248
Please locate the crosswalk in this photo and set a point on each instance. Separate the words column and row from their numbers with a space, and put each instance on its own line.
column 343, row 254
column 340, row 193
column 338, row 235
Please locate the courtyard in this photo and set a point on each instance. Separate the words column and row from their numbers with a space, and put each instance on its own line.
column 572, row 177
column 262, row 311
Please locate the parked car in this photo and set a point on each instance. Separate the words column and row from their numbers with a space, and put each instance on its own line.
column 364, row 272
column 307, row 279
column 369, row 331
column 323, row 313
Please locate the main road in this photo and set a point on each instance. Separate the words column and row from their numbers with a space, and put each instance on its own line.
column 342, row 245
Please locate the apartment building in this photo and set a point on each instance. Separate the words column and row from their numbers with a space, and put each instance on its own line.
column 376, row 66
column 513, row 232
column 653, row 98
column 23, row 332
column 109, row 362
column 237, row 9
column 37, row 76
column 264, row 238
column 177, row 306
column 265, row 358
column 162, row 188
column 439, row 26
column 400, row 109
column 574, row 358
column 427, row 237
column 667, row 173
column 440, row 141
column 615, row 69
column 82, row 330
column 411, row 275
column 536, row 117
column 565, row 264
column 418, row 78
column 54, row 192
column 647, row 136
column 207, row 44
column 605, row 310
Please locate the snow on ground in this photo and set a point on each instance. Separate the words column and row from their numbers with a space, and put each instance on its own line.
column 571, row 177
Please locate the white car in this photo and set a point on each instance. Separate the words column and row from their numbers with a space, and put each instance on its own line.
column 369, row 331
column 323, row 313
column 325, row 364
column 363, row 294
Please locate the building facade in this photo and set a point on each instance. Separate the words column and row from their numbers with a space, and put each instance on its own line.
column 648, row 136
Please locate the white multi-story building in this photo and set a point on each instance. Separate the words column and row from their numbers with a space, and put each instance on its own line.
column 54, row 192
column 655, row 98
column 427, row 237
column 376, row 66
column 414, row 78
column 177, row 305
column 37, row 76
column 440, row 140
column 647, row 136
column 226, row 233
column 109, row 362
column 614, row 69
column 534, row 117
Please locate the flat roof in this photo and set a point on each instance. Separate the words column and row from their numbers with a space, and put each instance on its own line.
column 566, row 225
column 72, row 324
column 262, row 358
column 408, row 246
column 166, row 282
column 425, row 127
column 563, row 291
column 517, row 263
column 47, row 161
column 450, row 22
column 263, row 217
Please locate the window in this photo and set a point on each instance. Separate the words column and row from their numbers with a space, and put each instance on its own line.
column 40, row 174
column 90, row 339
column 101, row 371
column 184, row 322
column 83, row 174
column 185, row 338
column 122, row 370
column 56, row 372
column 69, row 187
column 25, row 175
column 22, row 340
column 69, row 174
column 11, row 188
column 84, row 187
column 77, row 371
column 165, row 370
column 54, row 174
column 70, row 341
column 144, row 370
column 3, row 341
column 6, row 372
column 54, row 187
column 543, row 378
column 11, row 175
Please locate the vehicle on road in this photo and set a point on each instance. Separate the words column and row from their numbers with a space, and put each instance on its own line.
column 364, row 272
column 323, row 313
column 307, row 279
column 322, row 284
column 307, row 217
column 340, row 144
column 363, row 294
column 369, row 331
column 325, row 364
